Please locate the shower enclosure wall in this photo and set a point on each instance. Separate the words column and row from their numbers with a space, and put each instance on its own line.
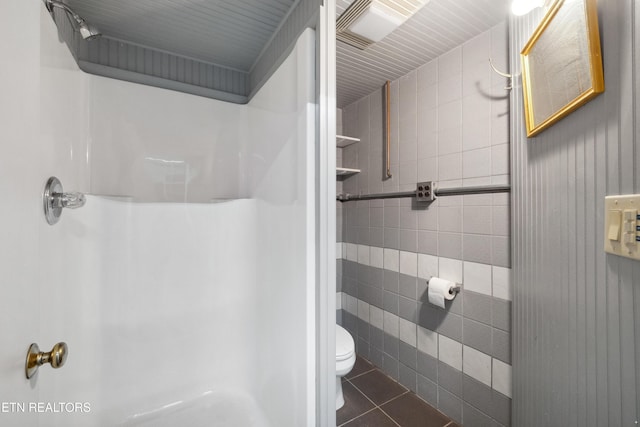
column 185, row 288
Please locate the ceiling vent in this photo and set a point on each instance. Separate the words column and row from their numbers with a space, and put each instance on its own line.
column 368, row 21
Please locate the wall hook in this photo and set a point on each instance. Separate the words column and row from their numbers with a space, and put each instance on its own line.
column 507, row 75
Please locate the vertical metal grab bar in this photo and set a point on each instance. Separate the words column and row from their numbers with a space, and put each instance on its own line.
column 387, row 99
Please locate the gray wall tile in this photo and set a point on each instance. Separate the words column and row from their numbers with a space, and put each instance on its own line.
column 501, row 411
column 441, row 321
column 376, row 356
column 349, row 322
column 429, row 316
column 391, row 238
column 477, row 220
column 391, row 281
column 376, row 236
column 451, row 326
column 475, row 418
column 351, row 235
column 390, row 366
column 364, row 292
column 475, row 248
column 408, row 286
column 350, row 269
column 421, row 290
column 362, row 236
column 408, row 377
column 376, row 297
column 376, row 338
column 500, row 221
column 428, row 390
column 450, row 378
column 501, row 250
column 450, row 219
column 502, row 314
column 362, row 348
column 376, row 217
column 391, row 346
column 478, row 307
column 428, row 218
column 450, row 405
column 350, row 286
column 377, row 277
column 408, row 240
column 363, row 330
column 408, row 217
column 390, row 302
column 362, row 217
column 428, row 242
column 408, row 355
column 474, row 228
column 391, row 216
column 477, row 394
column 477, row 335
column 408, row 309
column 501, row 345
column 349, row 208
column 363, row 273
column 427, row 366
column 450, row 245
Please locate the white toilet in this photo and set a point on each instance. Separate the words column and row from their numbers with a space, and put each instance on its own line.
column 345, row 359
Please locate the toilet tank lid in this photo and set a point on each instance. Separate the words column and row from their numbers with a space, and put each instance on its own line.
column 344, row 343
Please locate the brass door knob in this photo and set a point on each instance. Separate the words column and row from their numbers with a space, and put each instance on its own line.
column 35, row 358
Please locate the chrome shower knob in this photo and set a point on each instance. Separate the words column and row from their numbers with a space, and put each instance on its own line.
column 69, row 200
column 35, row 358
column 55, row 199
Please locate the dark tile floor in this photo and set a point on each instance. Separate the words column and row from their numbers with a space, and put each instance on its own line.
column 372, row 399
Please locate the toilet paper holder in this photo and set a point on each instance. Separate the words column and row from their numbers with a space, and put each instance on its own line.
column 455, row 289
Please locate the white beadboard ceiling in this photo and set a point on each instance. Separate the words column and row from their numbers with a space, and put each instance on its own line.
column 231, row 33
column 437, row 28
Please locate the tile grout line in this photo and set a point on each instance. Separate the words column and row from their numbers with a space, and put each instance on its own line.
column 394, row 398
column 407, row 391
column 361, row 374
column 390, row 417
column 375, row 406
column 358, row 416
column 363, row 393
column 450, row 423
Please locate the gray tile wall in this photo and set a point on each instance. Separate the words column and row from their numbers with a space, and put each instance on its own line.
column 449, row 122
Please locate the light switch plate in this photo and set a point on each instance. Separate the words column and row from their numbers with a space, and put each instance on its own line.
column 622, row 225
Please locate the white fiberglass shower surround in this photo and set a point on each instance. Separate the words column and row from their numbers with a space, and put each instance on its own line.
column 186, row 287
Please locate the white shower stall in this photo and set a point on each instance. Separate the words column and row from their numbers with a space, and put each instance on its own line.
column 186, row 287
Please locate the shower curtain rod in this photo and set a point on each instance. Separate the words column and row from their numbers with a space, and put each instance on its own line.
column 438, row 192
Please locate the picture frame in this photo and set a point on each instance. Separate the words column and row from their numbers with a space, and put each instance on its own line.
column 561, row 64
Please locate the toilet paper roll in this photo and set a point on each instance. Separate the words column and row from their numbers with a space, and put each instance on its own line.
column 440, row 290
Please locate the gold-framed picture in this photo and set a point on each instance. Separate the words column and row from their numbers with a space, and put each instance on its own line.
column 561, row 63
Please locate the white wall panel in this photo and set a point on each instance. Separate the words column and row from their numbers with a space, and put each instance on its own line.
column 159, row 302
